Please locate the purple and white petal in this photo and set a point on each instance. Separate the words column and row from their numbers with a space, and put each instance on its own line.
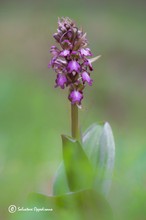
column 73, row 65
column 86, row 78
column 64, row 53
column 54, row 51
column 85, row 52
column 88, row 64
column 75, row 97
column 61, row 80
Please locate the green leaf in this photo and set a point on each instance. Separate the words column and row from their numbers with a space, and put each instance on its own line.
column 106, row 157
column 60, row 185
column 90, row 141
column 78, row 168
column 83, row 205
column 98, row 143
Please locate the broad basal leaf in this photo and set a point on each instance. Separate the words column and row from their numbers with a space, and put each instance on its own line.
column 106, row 157
column 60, row 185
column 98, row 143
column 90, row 141
column 78, row 168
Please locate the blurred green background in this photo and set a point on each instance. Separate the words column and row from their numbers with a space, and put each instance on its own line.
column 33, row 114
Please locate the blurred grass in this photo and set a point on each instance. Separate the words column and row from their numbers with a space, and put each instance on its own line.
column 33, row 114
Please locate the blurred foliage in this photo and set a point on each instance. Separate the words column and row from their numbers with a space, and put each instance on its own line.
column 33, row 114
column 82, row 205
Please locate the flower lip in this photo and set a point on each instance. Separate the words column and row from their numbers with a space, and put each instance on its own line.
column 86, row 78
column 73, row 65
column 61, row 80
column 75, row 97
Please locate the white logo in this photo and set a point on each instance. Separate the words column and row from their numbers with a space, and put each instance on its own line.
column 12, row 208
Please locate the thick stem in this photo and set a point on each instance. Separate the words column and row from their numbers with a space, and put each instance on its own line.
column 74, row 121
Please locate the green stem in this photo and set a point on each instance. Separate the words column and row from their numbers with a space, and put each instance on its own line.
column 74, row 121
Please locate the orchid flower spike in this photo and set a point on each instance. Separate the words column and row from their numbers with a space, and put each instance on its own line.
column 71, row 59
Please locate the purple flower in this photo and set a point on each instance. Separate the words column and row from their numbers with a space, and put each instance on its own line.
column 64, row 53
column 88, row 64
column 85, row 52
column 75, row 97
column 59, row 65
column 61, row 80
column 86, row 78
column 73, row 66
column 54, row 51
column 52, row 61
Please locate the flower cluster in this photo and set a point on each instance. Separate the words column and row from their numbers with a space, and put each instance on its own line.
column 70, row 61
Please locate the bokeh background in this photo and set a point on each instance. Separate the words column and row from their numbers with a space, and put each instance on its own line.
column 33, row 114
